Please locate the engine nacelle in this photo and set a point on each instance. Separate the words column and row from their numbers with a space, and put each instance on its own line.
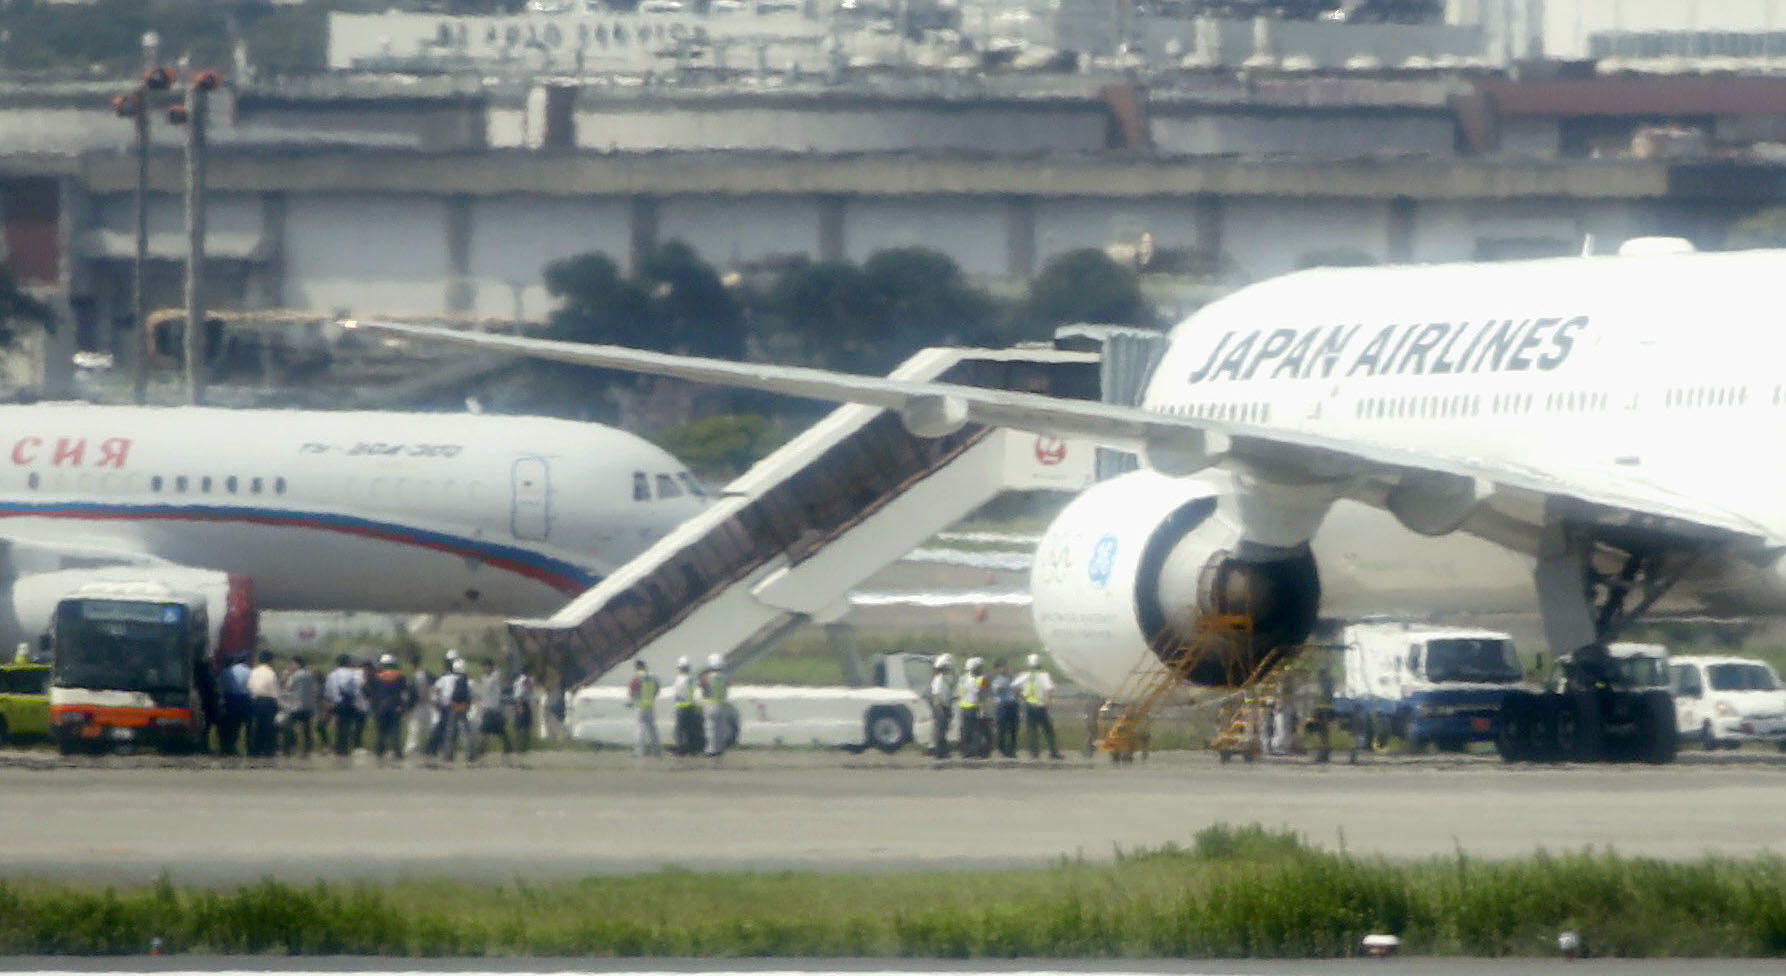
column 229, row 600
column 1145, row 555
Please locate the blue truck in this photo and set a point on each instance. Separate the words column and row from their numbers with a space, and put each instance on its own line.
column 1441, row 686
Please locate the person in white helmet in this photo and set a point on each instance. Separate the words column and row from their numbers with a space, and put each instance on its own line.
column 641, row 697
column 714, row 688
column 690, row 740
column 971, row 701
column 1037, row 688
column 452, row 695
column 942, row 702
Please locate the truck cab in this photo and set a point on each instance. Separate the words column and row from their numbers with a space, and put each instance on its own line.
column 24, row 701
column 1724, row 702
column 1439, row 685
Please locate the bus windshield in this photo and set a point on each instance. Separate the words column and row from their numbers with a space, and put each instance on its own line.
column 122, row 645
column 1471, row 659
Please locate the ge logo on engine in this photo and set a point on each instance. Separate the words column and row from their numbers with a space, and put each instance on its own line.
column 1103, row 560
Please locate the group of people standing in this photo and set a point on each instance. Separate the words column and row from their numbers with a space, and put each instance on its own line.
column 705, row 720
column 266, row 712
column 989, row 706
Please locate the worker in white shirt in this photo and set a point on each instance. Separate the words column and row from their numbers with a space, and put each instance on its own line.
column 1037, row 687
column 685, row 691
column 263, row 715
column 942, row 702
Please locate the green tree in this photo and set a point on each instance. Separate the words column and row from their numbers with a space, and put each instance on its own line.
column 1763, row 228
column 919, row 293
column 826, row 309
column 596, row 304
column 17, row 307
column 723, row 446
column 1081, row 286
column 690, row 308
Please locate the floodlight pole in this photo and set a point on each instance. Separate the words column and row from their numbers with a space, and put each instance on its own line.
column 139, row 300
column 197, row 97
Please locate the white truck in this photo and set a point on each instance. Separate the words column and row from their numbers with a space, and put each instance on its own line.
column 885, row 718
column 1438, row 685
column 1727, row 701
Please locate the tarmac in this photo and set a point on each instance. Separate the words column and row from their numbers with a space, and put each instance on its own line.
column 577, row 812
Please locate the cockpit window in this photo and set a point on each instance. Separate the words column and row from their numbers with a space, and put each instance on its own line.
column 641, row 487
column 666, row 487
column 693, row 486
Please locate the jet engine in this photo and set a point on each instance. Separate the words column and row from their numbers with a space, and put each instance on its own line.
column 1131, row 565
column 229, row 600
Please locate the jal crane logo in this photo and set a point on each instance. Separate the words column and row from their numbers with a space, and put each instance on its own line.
column 1103, row 560
column 1050, row 451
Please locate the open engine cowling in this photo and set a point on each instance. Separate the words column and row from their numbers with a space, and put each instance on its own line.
column 1141, row 557
column 229, row 600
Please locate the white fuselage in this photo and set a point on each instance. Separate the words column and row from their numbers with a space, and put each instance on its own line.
column 1663, row 369
column 341, row 511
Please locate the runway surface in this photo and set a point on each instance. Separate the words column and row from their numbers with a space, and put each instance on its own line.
column 576, row 813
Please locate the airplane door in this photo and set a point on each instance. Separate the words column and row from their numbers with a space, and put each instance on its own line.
column 530, row 513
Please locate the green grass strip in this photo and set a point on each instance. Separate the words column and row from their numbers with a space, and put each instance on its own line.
column 1234, row 892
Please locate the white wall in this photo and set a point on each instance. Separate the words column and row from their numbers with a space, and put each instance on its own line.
column 1266, row 237
column 838, row 129
column 514, row 238
column 727, row 230
column 970, row 230
column 366, row 253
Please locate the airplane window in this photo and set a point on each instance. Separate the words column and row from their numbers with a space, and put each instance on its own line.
column 33, row 480
column 279, row 486
column 666, row 487
column 204, row 484
column 229, row 484
column 693, row 486
column 641, row 487
column 254, row 485
column 180, row 483
column 154, row 483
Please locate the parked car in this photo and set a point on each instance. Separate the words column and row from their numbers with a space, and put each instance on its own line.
column 1727, row 701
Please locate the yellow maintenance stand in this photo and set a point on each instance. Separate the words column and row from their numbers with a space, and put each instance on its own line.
column 1124, row 720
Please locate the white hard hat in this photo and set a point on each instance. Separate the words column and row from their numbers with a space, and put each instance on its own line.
column 974, row 663
column 944, row 661
column 452, row 654
column 458, row 665
column 386, row 660
column 1035, row 660
column 682, row 663
column 715, row 661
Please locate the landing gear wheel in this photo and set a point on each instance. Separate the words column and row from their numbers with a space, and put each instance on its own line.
column 1580, row 729
column 1657, row 739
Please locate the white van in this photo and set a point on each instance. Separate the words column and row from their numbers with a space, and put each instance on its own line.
column 1727, row 701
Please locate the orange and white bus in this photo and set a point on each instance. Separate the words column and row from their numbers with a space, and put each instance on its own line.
column 129, row 662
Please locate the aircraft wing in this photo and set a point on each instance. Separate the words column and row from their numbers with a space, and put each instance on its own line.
column 1589, row 494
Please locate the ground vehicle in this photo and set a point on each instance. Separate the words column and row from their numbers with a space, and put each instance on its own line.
column 24, row 700
column 129, row 659
column 1727, row 701
column 1442, row 685
column 884, row 718
column 1602, row 702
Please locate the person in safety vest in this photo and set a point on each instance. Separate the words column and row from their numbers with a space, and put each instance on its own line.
column 641, row 696
column 714, row 685
column 971, row 700
column 942, row 702
column 1037, row 688
column 690, row 740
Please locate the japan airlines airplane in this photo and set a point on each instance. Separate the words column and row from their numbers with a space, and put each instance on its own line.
column 1616, row 420
column 261, row 509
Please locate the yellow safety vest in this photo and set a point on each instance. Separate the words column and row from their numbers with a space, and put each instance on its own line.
column 970, row 692
column 1032, row 688
column 716, row 688
column 647, row 690
column 686, row 697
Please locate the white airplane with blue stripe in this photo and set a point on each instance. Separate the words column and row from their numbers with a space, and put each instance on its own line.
column 295, row 510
